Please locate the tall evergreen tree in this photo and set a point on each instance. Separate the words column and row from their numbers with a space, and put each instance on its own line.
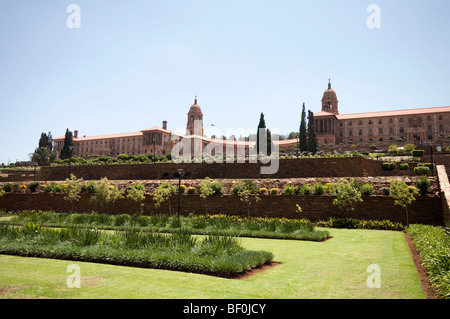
column 302, row 133
column 68, row 141
column 312, row 138
column 46, row 140
column 261, row 125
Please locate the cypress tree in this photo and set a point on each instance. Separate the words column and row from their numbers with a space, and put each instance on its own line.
column 46, row 140
column 302, row 133
column 312, row 138
column 261, row 125
column 68, row 141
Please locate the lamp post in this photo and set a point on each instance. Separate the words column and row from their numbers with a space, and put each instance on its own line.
column 180, row 170
column 70, row 158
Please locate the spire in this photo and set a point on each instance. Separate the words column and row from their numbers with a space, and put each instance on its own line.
column 195, row 101
column 329, row 84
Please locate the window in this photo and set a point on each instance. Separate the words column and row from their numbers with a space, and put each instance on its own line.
column 360, row 122
column 380, row 121
column 370, row 132
column 441, row 128
column 370, row 122
column 350, row 123
column 440, row 117
column 391, row 130
column 380, row 130
column 350, row 132
column 429, row 128
column 360, row 132
column 401, row 120
column 390, row 120
column 429, row 118
column 402, row 130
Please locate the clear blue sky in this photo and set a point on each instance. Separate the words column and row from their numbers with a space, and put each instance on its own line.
column 133, row 64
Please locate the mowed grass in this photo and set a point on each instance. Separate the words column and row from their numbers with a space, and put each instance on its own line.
column 336, row 268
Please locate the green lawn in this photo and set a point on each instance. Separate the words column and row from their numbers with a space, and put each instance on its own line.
column 336, row 268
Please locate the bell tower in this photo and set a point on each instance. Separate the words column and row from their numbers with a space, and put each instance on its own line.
column 195, row 120
column 330, row 101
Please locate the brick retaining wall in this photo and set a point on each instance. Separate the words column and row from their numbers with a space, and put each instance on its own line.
column 426, row 209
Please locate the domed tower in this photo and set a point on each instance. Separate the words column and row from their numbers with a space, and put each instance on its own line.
column 195, row 120
column 330, row 101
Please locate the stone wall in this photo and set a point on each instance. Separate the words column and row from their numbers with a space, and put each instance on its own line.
column 288, row 168
column 426, row 209
column 445, row 193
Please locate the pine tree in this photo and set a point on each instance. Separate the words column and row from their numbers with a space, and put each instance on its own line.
column 312, row 138
column 68, row 141
column 302, row 133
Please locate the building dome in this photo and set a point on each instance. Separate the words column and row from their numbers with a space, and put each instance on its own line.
column 195, row 108
column 329, row 94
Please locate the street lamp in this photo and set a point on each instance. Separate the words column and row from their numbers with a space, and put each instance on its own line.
column 70, row 157
column 180, row 170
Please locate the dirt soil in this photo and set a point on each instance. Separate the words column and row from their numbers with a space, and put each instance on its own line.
column 421, row 272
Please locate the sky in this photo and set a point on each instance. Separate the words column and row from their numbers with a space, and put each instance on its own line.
column 129, row 65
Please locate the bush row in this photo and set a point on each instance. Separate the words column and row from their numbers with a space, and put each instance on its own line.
column 433, row 244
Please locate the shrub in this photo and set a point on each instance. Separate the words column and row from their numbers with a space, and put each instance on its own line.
column 389, row 166
column 191, row 190
column 346, row 194
column 386, row 190
column 33, row 186
column 408, row 148
column 217, row 188
column 289, row 189
column 318, row 188
column 417, row 153
column 429, row 165
column 421, row 170
column 367, row 189
column 89, row 188
column 123, row 157
column 404, row 166
column 423, row 184
column 305, row 189
column 182, row 189
column 274, row 191
column 7, row 188
column 262, row 190
column 393, row 150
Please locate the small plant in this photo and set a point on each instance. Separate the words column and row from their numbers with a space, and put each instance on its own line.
column 289, row 189
column 388, row 166
column 182, row 189
column 205, row 189
column 7, row 188
column 106, row 193
column 274, row 191
column 191, row 190
column 346, row 193
column 417, row 153
column 404, row 166
column 162, row 194
column 72, row 190
column 386, row 191
column 367, row 189
column 262, row 190
column 423, row 184
column 402, row 195
column 137, row 193
column 305, row 189
column 33, row 187
column 421, row 170
column 318, row 188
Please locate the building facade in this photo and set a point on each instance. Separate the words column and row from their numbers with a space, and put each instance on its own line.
column 418, row 126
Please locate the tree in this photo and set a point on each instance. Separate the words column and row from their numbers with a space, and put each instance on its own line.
column 266, row 136
column 312, row 145
column 44, row 156
column 106, row 193
column 72, row 190
column 163, row 193
column 261, row 129
column 302, row 132
column 137, row 193
column 46, row 140
column 68, row 142
column 346, row 194
column 247, row 191
column 205, row 189
column 403, row 195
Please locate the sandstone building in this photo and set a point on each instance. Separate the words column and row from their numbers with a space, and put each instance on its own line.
column 416, row 126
